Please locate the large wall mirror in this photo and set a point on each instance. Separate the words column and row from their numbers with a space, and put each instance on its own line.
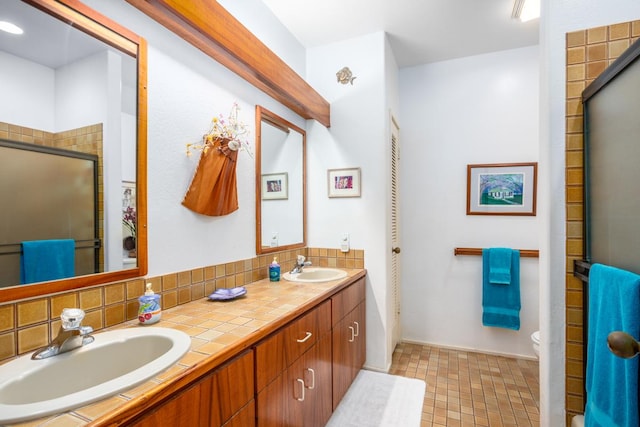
column 280, row 183
column 72, row 149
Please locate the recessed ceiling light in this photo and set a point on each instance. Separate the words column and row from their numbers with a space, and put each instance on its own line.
column 10, row 28
column 526, row 10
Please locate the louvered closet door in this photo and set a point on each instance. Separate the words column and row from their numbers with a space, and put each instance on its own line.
column 395, row 231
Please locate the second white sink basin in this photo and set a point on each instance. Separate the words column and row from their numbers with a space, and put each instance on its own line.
column 316, row 275
column 116, row 360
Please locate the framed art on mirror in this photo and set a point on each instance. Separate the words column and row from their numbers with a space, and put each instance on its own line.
column 275, row 186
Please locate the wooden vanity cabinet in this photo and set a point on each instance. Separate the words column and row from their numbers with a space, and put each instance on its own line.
column 222, row 398
column 293, row 372
column 348, row 337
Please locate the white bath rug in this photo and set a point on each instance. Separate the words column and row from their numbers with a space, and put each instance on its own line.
column 380, row 400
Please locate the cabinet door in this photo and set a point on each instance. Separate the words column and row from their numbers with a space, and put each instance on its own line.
column 360, row 326
column 349, row 351
column 301, row 396
column 231, row 389
column 245, row 418
column 182, row 410
column 342, row 337
column 316, row 374
column 280, row 403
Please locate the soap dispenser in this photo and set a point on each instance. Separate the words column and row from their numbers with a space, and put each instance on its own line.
column 149, row 311
column 274, row 270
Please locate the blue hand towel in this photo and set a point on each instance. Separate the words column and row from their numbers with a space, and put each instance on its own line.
column 500, row 265
column 501, row 303
column 612, row 382
column 44, row 260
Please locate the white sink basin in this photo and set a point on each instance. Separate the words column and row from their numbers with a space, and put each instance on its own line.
column 115, row 361
column 316, row 275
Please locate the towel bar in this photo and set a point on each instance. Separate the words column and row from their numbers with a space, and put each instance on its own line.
column 526, row 253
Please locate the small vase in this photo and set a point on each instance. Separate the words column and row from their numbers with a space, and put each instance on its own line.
column 129, row 243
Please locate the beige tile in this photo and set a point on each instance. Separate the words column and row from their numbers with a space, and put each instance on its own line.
column 7, row 317
column 114, row 293
column 31, row 312
column 60, row 302
column 91, row 299
column 7, row 345
column 31, row 338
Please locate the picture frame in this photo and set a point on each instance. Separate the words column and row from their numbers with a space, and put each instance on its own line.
column 344, row 182
column 502, row 189
column 275, row 186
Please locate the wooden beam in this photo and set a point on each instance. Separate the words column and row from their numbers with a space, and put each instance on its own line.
column 209, row 27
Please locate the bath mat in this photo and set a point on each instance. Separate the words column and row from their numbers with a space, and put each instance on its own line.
column 380, row 400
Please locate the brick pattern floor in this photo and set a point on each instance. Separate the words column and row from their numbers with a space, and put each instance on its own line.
column 471, row 389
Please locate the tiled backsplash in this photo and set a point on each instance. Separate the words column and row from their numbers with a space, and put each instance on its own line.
column 29, row 324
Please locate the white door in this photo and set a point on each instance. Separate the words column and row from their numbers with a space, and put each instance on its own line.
column 395, row 231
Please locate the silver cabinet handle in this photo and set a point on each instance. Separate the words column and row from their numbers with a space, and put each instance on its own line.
column 357, row 328
column 353, row 334
column 300, row 399
column 307, row 336
column 313, row 379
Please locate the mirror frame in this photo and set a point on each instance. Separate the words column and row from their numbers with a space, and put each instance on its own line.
column 80, row 16
column 262, row 114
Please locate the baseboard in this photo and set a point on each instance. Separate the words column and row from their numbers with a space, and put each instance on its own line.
column 472, row 350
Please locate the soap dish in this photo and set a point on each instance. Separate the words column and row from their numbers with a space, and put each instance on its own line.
column 224, row 294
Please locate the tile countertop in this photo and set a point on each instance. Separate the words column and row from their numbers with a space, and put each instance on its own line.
column 219, row 330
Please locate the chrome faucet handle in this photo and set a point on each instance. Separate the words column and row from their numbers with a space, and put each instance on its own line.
column 301, row 259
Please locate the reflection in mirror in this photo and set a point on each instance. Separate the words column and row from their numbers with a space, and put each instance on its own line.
column 73, row 147
column 280, row 183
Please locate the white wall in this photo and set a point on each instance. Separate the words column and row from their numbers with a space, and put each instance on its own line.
column 560, row 17
column 26, row 87
column 356, row 138
column 475, row 110
column 185, row 90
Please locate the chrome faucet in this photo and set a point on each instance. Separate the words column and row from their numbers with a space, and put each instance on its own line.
column 300, row 265
column 71, row 335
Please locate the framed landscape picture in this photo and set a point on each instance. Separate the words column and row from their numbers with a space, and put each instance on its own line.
column 502, row 189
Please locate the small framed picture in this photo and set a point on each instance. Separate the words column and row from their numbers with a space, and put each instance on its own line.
column 502, row 189
column 344, row 182
column 275, row 186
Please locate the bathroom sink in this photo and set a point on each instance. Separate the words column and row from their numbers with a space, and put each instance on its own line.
column 116, row 360
column 316, row 275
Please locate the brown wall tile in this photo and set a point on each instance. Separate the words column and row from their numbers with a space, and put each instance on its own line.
column 7, row 317
column 91, row 299
column 31, row 312
column 32, row 338
column 8, row 346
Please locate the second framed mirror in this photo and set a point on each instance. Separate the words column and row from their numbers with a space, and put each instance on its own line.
column 281, row 198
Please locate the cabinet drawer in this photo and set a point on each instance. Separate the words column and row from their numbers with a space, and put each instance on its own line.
column 346, row 300
column 279, row 351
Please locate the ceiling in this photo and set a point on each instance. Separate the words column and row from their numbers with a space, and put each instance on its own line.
column 420, row 31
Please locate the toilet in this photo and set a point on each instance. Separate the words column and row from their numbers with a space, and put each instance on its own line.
column 535, row 338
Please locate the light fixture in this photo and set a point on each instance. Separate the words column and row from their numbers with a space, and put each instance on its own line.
column 526, row 10
column 10, row 28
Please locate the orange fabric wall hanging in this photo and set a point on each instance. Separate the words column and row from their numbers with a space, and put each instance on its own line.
column 213, row 189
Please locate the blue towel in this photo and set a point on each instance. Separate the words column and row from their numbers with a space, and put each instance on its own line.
column 501, row 303
column 612, row 382
column 44, row 260
column 500, row 265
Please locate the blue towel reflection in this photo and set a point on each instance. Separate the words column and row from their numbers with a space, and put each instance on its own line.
column 44, row 260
